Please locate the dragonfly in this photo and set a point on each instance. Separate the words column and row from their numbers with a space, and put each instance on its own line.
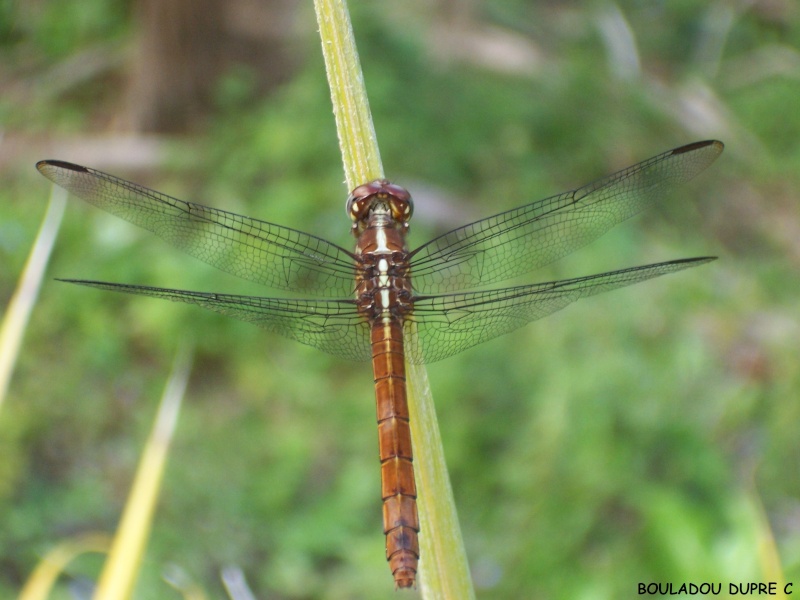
column 388, row 304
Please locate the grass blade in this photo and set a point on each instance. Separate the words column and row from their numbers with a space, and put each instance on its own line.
column 767, row 548
column 46, row 573
column 120, row 571
column 443, row 560
column 19, row 308
column 444, row 571
column 357, row 140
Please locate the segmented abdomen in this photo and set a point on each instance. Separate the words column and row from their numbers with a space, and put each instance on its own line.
column 399, row 492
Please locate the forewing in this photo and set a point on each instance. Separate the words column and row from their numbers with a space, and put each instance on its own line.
column 276, row 256
column 448, row 324
column 520, row 240
column 332, row 326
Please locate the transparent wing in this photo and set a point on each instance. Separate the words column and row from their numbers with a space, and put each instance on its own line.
column 520, row 240
column 439, row 327
column 446, row 325
column 276, row 256
column 332, row 326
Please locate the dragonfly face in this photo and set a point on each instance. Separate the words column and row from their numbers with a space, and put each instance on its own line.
column 424, row 292
column 379, row 197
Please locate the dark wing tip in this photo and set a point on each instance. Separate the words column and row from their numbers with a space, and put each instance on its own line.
column 698, row 260
column 718, row 146
column 61, row 164
column 685, row 261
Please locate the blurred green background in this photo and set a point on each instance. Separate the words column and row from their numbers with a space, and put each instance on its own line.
column 632, row 437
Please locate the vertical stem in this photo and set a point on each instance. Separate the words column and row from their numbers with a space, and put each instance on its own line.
column 443, row 561
column 357, row 141
column 444, row 570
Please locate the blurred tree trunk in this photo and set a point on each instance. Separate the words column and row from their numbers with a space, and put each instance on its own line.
column 184, row 46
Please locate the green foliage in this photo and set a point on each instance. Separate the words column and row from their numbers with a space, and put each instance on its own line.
column 610, row 444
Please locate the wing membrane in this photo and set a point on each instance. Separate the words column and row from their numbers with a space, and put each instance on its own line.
column 448, row 324
column 520, row 240
column 266, row 253
column 332, row 326
column 439, row 327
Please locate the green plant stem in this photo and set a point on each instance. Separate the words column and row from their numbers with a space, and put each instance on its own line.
column 444, row 572
column 443, row 564
column 357, row 141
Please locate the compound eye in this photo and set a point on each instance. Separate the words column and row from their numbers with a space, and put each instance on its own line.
column 400, row 202
column 354, row 207
column 402, row 208
column 359, row 200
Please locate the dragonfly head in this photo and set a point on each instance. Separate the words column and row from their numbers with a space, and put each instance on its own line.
column 379, row 197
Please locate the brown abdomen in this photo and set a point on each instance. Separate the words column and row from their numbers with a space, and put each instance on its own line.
column 399, row 492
